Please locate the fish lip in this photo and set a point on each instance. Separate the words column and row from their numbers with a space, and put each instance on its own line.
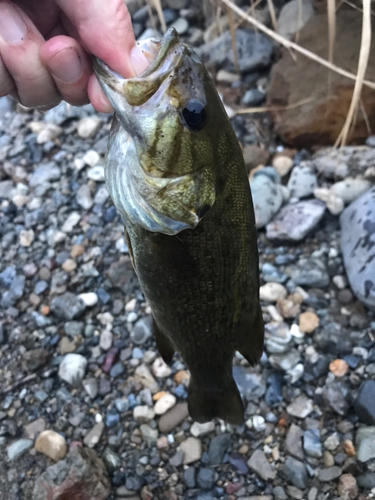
column 169, row 40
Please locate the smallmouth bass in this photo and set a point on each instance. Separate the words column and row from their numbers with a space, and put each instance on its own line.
column 176, row 174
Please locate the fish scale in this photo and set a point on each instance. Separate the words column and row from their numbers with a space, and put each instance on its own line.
column 193, row 244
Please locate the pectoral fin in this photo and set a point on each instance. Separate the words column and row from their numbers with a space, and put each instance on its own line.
column 251, row 335
column 163, row 344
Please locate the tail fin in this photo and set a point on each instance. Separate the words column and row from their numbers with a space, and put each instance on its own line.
column 225, row 404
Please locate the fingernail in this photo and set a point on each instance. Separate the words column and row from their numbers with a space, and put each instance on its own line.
column 138, row 60
column 66, row 65
column 13, row 28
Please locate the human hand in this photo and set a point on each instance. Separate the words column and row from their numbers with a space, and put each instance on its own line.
column 45, row 49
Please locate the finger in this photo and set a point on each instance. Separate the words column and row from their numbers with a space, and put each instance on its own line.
column 69, row 67
column 20, row 43
column 107, row 33
column 97, row 97
column 7, row 84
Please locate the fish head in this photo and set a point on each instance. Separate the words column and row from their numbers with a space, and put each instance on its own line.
column 171, row 114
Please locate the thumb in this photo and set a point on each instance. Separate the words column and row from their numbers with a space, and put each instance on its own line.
column 105, row 29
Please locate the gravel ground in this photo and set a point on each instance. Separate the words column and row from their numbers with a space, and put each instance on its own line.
column 82, row 384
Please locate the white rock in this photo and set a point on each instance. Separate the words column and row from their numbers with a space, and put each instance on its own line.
column 350, row 188
column 143, row 414
column 52, row 444
column 83, row 197
column 198, row 429
column 26, row 237
column 282, row 164
column 90, row 298
column 106, row 319
column 271, row 292
column 91, row 158
column 259, row 424
column 71, row 222
column 106, row 339
column 20, row 200
column 180, row 25
column 96, row 173
column 164, row 404
column 226, row 77
column 72, row 368
column 89, row 126
column 333, row 202
column 101, row 196
column 160, row 369
column 49, row 133
column 340, row 281
column 130, row 306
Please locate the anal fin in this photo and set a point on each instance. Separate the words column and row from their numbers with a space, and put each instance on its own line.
column 251, row 337
column 163, row 344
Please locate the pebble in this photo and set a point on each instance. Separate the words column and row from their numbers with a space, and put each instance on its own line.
column 301, row 407
column 219, row 445
column 282, row 164
column 88, row 127
column 295, row 472
column 164, row 404
column 293, row 442
column 271, row 273
column 192, row 449
column 90, row 299
column 334, row 204
column 339, row 367
column 272, row 291
column 19, row 448
column 302, row 181
column 311, row 443
column 332, row 442
column 149, row 434
column 143, row 414
column 173, row 418
column 72, row 368
column 267, row 199
column 27, row 237
column 160, row 369
column 206, row 478
column 350, row 189
column 142, row 330
column 180, row 25
column 365, row 443
column 71, row 222
column 329, row 474
column 295, row 221
column 364, row 404
column 93, row 436
column 189, row 477
column 106, row 339
column 67, row 306
column 52, row 444
column 253, row 97
column 96, row 173
column 198, row 429
column 347, row 487
column 33, row 429
column 259, row 464
column 308, row 322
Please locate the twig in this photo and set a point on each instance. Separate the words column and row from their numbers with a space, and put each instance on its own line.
column 362, row 67
column 25, row 380
column 291, row 45
column 269, row 109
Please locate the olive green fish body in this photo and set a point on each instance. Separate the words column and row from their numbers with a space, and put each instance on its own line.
column 198, row 270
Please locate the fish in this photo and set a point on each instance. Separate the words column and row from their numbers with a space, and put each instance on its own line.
column 176, row 174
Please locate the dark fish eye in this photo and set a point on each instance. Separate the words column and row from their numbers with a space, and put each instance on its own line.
column 194, row 114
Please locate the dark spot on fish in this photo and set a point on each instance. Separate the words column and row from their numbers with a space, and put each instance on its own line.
column 369, row 226
column 368, row 287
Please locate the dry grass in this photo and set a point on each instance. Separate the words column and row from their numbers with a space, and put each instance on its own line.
column 359, row 78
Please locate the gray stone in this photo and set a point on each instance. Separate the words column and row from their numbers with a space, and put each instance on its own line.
column 364, row 405
column 206, row 478
column 295, row 472
column 301, row 407
column 358, row 246
column 73, row 328
column 336, row 396
column 254, row 51
column 44, row 173
column 365, row 443
column 293, row 442
column 295, row 221
column 219, row 445
column 189, row 477
column 72, row 368
column 249, row 384
column 311, row 443
column 267, row 199
column 18, row 448
column 91, row 387
column 253, row 97
column 302, row 181
column 142, row 330
column 310, row 272
column 258, row 463
column 329, row 474
column 67, row 306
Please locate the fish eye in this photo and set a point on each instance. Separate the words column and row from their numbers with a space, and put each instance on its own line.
column 194, row 114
